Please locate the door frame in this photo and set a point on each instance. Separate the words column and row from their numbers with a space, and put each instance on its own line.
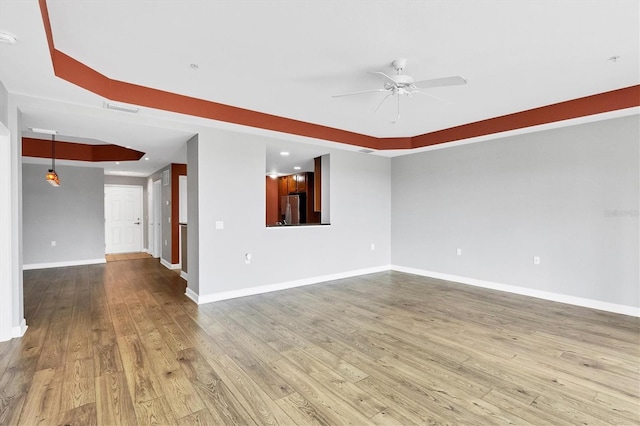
column 141, row 202
column 156, row 212
column 7, row 260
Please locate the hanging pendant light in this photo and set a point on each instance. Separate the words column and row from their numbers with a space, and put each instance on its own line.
column 52, row 176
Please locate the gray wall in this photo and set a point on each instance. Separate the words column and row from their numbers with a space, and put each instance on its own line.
column 6, row 243
column 568, row 195
column 231, row 189
column 137, row 181
column 72, row 215
column 193, row 233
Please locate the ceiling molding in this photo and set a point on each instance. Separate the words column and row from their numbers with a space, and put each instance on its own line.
column 41, row 148
column 79, row 74
column 614, row 100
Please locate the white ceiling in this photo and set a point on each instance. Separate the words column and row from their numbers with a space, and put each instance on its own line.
column 288, row 57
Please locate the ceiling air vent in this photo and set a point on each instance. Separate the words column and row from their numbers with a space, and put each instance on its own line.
column 121, row 107
column 366, row 151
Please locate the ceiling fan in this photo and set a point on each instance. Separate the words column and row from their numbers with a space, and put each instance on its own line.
column 403, row 84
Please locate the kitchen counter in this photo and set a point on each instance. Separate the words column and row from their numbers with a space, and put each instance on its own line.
column 298, row 225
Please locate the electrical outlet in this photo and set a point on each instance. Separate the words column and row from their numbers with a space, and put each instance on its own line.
column 373, row 246
column 53, row 243
column 536, row 260
column 247, row 258
column 459, row 252
column 219, row 224
column 165, row 242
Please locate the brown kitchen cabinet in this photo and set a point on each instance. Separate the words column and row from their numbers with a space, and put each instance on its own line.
column 300, row 183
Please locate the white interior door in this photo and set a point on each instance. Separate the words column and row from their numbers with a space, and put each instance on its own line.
column 157, row 218
column 123, row 218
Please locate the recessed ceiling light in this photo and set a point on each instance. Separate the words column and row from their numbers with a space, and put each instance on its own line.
column 44, row 131
column 284, row 153
column 296, row 168
column 5, row 37
column 117, row 162
column 146, row 158
column 273, row 175
column 128, row 146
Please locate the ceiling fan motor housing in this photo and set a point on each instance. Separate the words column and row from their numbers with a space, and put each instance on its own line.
column 402, row 80
column 399, row 64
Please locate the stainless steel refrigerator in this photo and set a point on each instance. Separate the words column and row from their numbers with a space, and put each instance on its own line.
column 292, row 208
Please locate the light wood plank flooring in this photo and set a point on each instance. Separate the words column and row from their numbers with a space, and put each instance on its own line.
column 126, row 256
column 119, row 343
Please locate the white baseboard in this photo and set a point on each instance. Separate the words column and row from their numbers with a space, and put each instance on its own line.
column 191, row 295
column 18, row 331
column 555, row 297
column 539, row 294
column 168, row 265
column 215, row 297
column 63, row 264
column 184, row 275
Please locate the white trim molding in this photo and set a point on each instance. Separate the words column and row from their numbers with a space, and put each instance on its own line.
column 184, row 275
column 192, row 295
column 168, row 265
column 18, row 331
column 250, row 291
column 539, row 294
column 63, row 264
column 555, row 297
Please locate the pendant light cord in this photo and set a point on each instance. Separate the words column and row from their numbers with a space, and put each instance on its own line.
column 53, row 152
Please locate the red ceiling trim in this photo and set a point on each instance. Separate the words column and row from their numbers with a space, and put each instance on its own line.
column 41, row 148
column 81, row 75
column 44, row 11
column 589, row 105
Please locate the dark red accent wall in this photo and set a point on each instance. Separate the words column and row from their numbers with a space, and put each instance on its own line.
column 41, row 148
column 272, row 213
column 176, row 171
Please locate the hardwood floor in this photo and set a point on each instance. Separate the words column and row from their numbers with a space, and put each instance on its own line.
column 119, row 343
column 127, row 256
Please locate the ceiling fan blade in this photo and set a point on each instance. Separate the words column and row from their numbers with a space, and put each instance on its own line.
column 438, row 82
column 384, row 75
column 359, row 93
